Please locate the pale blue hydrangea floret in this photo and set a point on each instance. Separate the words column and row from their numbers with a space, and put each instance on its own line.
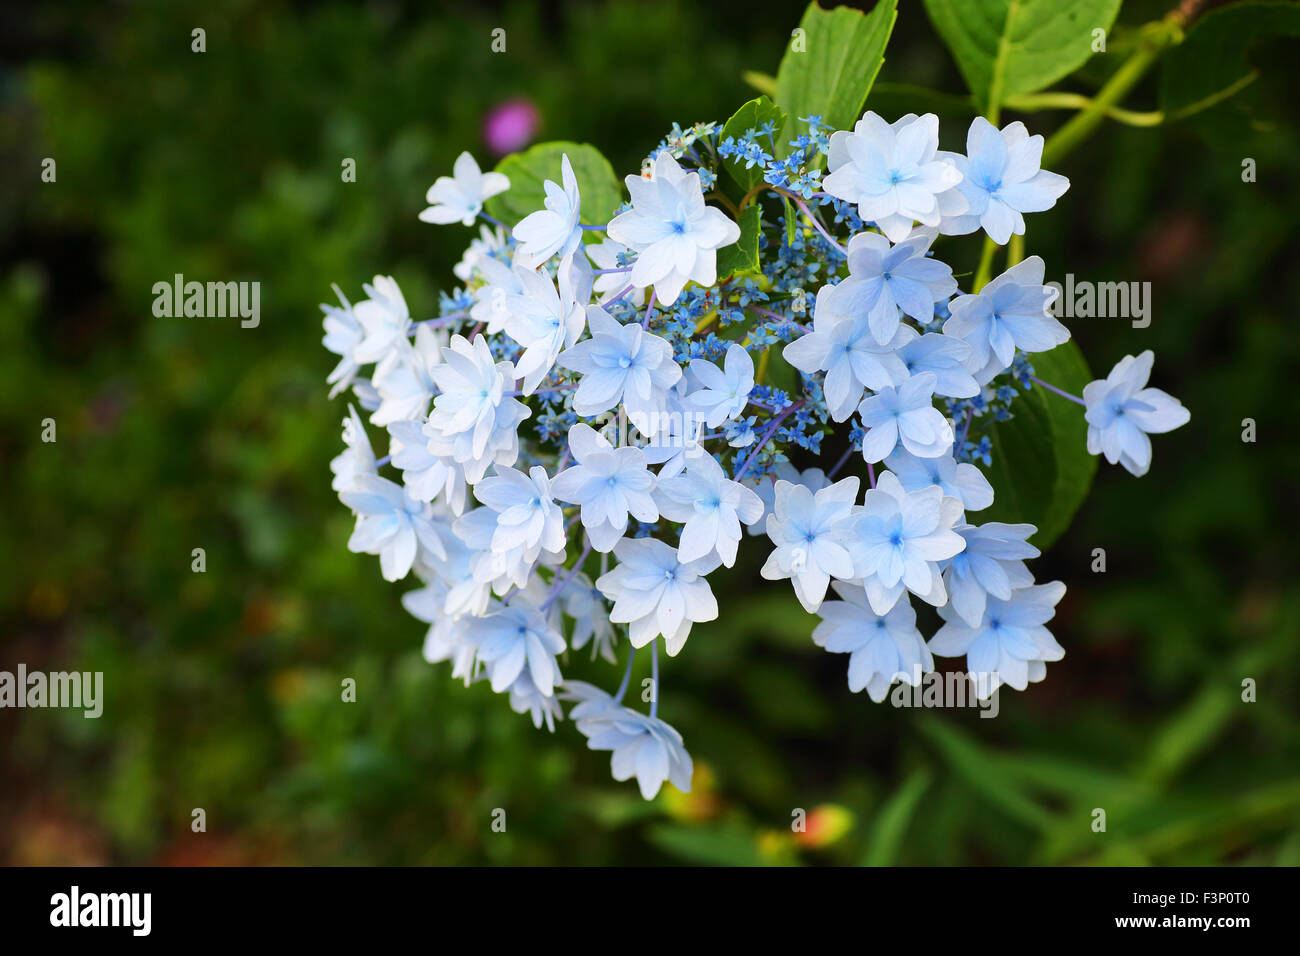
column 527, row 516
column 643, row 746
column 425, row 475
column 583, row 602
column 899, row 538
column 384, row 320
column 711, row 508
column 1010, row 644
column 542, row 706
column 676, row 236
column 544, row 321
column 810, row 533
column 460, row 198
column 610, row 258
column 492, row 299
column 962, row 481
column 814, row 479
column 905, row 415
column 886, row 282
column 473, row 421
column 1000, row 179
column 491, row 246
column 1122, row 411
column 947, row 358
column 894, row 173
column 343, row 333
column 357, row 458
column 514, row 637
column 992, row 564
column 610, row 484
column 844, row 347
column 723, row 393
column 391, row 524
column 1010, row 313
column 495, row 563
column 404, row 379
column 618, row 362
column 553, row 231
column 882, row 648
column 656, row 593
column 443, row 641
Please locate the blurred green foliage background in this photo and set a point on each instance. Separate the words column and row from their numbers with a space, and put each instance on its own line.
column 222, row 688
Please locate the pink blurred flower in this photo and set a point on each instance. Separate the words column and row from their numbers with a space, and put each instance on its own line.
column 511, row 126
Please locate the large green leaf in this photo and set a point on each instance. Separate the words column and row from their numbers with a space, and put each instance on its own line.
column 829, row 67
column 1210, row 64
column 741, row 257
column 752, row 115
column 1041, row 467
column 601, row 191
column 1010, row 47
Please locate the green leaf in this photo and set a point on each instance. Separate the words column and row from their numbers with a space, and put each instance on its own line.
column 1041, row 467
column 750, row 116
column 764, row 83
column 1210, row 64
column 898, row 99
column 1191, row 730
column 1076, row 781
column 982, row 771
column 830, row 64
column 710, row 845
column 895, row 816
column 601, row 191
column 1011, row 47
column 741, row 257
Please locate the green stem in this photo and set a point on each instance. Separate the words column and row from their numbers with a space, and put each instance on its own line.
column 1060, row 100
column 985, row 270
column 1156, row 37
column 1015, row 250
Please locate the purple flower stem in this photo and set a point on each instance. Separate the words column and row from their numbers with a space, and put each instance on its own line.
column 767, row 435
column 769, row 313
column 544, row 391
column 840, row 464
column 1052, row 388
column 620, row 295
column 564, row 582
column 627, row 677
column 654, row 677
column 965, row 428
column 439, row 322
column 817, row 223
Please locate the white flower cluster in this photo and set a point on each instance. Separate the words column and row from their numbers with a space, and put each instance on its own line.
column 566, row 533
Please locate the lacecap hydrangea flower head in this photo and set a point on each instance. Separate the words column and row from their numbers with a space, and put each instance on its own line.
column 759, row 346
